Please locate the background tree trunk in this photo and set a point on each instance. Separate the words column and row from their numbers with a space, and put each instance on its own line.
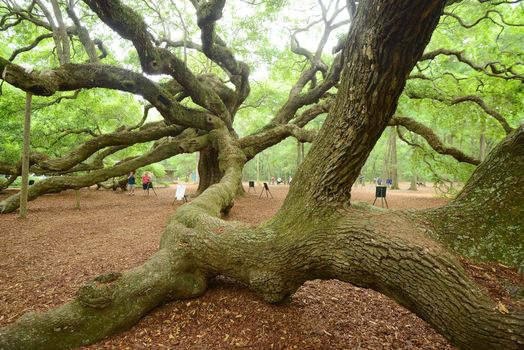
column 258, row 168
column 25, row 156
column 482, row 139
column 413, row 183
column 393, row 158
column 386, row 159
column 414, row 175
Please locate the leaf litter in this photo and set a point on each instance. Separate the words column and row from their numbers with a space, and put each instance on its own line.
column 45, row 258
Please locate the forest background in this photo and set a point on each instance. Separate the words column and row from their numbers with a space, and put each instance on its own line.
column 482, row 41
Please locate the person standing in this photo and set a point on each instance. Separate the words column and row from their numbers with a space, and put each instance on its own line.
column 131, row 181
column 145, row 182
column 150, row 184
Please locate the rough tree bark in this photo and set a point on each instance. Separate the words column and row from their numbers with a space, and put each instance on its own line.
column 208, row 169
column 315, row 234
column 485, row 221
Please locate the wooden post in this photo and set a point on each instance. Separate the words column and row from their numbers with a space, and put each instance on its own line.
column 25, row 156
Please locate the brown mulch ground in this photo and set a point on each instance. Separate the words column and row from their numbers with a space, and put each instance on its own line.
column 44, row 259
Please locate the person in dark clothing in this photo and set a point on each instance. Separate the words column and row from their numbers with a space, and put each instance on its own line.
column 131, row 182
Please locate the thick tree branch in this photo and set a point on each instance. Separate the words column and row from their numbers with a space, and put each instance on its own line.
column 8, row 181
column 78, row 76
column 314, row 111
column 295, row 102
column 186, row 143
column 154, row 60
column 432, row 139
column 253, row 144
column 121, row 138
column 208, row 13
column 270, row 136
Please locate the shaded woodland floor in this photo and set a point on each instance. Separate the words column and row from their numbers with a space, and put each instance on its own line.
column 44, row 259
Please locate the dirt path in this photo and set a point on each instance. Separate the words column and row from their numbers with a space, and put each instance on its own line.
column 44, row 259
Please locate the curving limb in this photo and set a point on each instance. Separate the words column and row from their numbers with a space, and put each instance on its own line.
column 492, row 112
column 502, row 72
column 155, row 60
column 79, row 76
column 432, row 139
column 208, row 13
column 255, row 143
column 468, row 98
column 31, row 46
column 186, row 143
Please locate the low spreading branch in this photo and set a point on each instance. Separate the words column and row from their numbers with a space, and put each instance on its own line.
column 186, row 143
column 121, row 138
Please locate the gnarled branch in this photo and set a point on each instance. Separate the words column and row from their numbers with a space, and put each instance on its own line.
column 432, row 139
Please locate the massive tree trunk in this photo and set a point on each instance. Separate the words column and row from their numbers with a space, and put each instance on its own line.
column 315, row 234
column 208, row 169
column 485, row 221
column 413, row 183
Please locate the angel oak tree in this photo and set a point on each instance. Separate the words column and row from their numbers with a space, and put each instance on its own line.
column 316, row 234
column 315, row 82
